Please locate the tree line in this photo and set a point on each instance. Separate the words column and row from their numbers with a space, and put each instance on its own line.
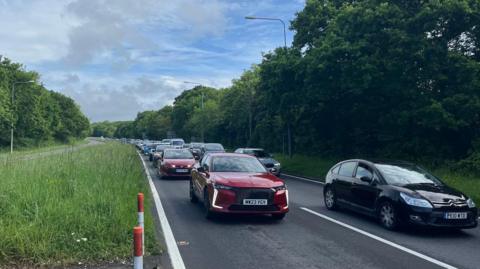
column 397, row 78
column 37, row 115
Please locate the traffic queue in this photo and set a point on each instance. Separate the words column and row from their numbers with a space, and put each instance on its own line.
column 248, row 181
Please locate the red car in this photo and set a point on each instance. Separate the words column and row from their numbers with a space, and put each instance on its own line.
column 237, row 183
column 176, row 163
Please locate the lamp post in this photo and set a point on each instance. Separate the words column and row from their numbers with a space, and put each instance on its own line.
column 201, row 106
column 272, row 19
column 13, row 99
column 289, row 136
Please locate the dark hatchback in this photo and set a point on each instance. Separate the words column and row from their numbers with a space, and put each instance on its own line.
column 397, row 193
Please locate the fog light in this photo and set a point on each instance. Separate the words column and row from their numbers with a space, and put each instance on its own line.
column 415, row 218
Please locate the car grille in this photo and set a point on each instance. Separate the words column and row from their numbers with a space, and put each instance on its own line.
column 451, row 206
column 254, row 194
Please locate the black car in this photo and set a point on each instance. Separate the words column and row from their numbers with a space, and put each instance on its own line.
column 211, row 148
column 196, row 149
column 397, row 193
column 264, row 157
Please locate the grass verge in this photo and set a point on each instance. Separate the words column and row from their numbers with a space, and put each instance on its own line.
column 72, row 207
column 43, row 148
column 316, row 168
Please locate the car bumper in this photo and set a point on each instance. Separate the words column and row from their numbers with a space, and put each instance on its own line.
column 230, row 201
column 171, row 172
column 436, row 217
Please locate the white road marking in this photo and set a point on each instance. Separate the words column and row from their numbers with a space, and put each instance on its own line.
column 173, row 252
column 305, row 179
column 390, row 243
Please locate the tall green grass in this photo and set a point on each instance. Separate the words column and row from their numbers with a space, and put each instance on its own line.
column 317, row 167
column 72, row 207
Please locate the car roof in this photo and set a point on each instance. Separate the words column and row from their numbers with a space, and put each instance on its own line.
column 228, row 154
column 252, row 149
column 379, row 161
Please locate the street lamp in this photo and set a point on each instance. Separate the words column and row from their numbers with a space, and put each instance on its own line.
column 13, row 99
column 272, row 19
column 285, row 46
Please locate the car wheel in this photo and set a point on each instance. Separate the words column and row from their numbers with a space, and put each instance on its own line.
column 207, row 206
column 278, row 216
column 330, row 199
column 387, row 215
column 193, row 197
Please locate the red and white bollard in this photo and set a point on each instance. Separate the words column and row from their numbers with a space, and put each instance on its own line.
column 141, row 218
column 137, row 248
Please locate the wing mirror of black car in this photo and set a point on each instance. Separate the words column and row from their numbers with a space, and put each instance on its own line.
column 197, row 157
column 366, row 179
column 200, row 169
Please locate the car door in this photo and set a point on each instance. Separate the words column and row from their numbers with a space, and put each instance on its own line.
column 343, row 181
column 364, row 193
column 201, row 177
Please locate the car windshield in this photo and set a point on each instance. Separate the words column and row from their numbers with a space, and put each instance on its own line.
column 177, row 142
column 162, row 147
column 195, row 146
column 237, row 164
column 406, row 174
column 212, row 147
column 178, row 154
column 259, row 153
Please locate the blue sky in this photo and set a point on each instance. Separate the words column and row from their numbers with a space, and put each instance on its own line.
column 117, row 58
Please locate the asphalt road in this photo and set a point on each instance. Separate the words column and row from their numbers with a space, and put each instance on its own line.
column 303, row 239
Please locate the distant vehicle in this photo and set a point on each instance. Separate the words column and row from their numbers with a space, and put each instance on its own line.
column 397, row 193
column 186, row 146
column 176, row 163
column 196, row 149
column 155, row 155
column 177, row 142
column 211, row 148
column 148, row 148
column 237, row 183
column 165, row 141
column 264, row 157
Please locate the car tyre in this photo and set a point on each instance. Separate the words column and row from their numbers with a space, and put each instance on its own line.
column 207, row 206
column 330, row 199
column 278, row 217
column 193, row 197
column 388, row 216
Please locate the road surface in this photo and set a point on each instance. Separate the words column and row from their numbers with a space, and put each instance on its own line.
column 304, row 239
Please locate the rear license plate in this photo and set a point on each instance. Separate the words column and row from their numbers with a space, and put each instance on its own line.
column 456, row 215
column 182, row 170
column 255, row 201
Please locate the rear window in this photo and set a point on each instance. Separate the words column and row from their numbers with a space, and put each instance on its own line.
column 178, row 154
column 214, row 147
column 346, row 169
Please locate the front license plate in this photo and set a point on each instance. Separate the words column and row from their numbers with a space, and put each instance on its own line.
column 255, row 201
column 456, row 215
column 182, row 170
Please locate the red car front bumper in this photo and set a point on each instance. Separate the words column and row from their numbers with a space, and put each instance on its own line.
column 231, row 201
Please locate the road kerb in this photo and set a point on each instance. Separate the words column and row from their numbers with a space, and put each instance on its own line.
column 172, row 248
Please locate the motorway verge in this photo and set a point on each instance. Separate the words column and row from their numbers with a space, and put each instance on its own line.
column 76, row 207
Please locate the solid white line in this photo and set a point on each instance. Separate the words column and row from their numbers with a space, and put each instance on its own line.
column 305, row 179
column 172, row 247
column 390, row 243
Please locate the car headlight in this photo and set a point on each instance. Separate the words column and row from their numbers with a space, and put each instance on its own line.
column 173, row 166
column 280, row 188
column 470, row 203
column 415, row 201
column 276, row 164
column 222, row 187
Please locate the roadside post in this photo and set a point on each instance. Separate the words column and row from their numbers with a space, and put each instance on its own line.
column 137, row 248
column 141, row 219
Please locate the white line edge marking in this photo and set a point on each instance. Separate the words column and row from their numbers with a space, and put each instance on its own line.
column 305, row 179
column 397, row 246
column 172, row 248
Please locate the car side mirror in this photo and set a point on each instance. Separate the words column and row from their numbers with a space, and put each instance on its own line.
column 366, row 179
column 201, row 169
column 197, row 157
